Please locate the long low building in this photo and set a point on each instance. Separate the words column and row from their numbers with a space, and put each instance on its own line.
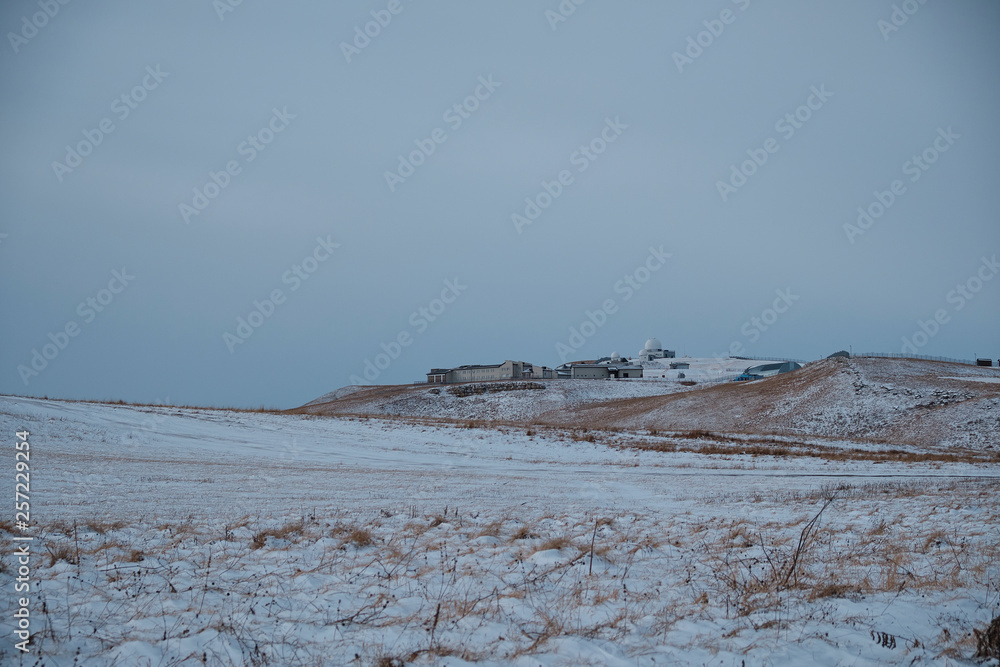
column 604, row 371
column 508, row 370
column 768, row 370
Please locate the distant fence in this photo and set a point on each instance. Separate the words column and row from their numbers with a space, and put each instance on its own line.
column 903, row 355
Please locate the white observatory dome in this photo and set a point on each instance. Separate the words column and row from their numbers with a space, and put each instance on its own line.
column 653, row 345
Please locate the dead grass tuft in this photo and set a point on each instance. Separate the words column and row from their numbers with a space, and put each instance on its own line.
column 832, row 590
column 524, row 533
column 360, row 537
column 557, row 543
column 61, row 552
column 286, row 532
column 102, row 527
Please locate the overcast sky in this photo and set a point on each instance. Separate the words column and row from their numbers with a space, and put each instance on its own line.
column 694, row 166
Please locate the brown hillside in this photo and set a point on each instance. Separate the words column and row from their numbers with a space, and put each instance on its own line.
column 897, row 401
column 894, row 400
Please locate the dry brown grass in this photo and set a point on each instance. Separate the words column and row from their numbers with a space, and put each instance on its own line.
column 360, row 537
column 60, row 552
column 349, row 533
column 557, row 543
column 729, row 445
column 290, row 531
column 102, row 527
column 649, row 572
column 525, row 532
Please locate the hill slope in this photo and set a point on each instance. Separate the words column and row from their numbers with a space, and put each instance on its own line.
column 907, row 401
column 901, row 400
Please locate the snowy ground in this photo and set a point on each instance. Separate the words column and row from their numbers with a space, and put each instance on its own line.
column 704, row 370
column 169, row 536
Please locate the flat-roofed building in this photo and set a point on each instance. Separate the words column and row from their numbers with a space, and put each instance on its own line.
column 604, row 371
column 508, row 370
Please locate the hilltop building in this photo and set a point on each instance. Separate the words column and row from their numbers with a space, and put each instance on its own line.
column 654, row 350
column 508, row 370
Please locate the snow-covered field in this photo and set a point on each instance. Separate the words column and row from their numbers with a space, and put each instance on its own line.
column 168, row 536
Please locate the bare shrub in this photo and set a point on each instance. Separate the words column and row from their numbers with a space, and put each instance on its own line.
column 988, row 640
